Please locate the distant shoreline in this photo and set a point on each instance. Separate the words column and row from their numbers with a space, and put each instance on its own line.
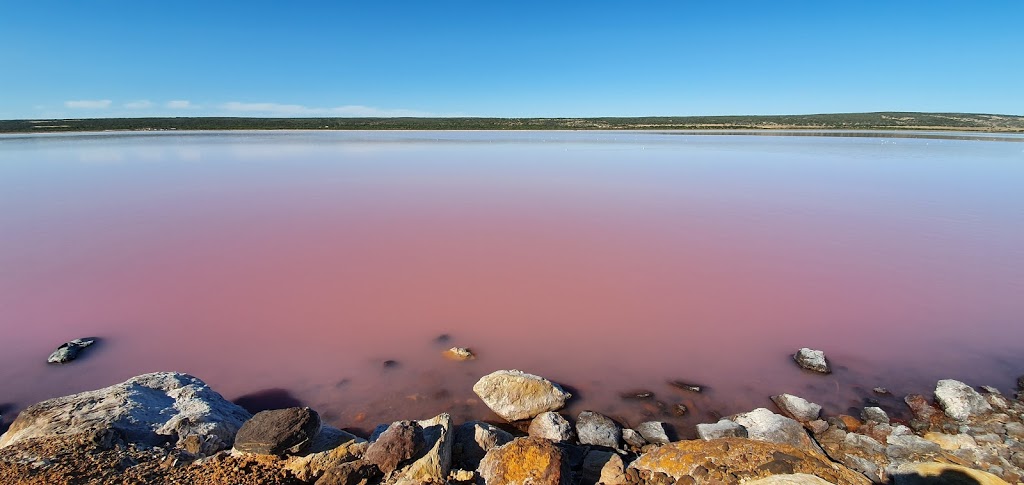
column 882, row 121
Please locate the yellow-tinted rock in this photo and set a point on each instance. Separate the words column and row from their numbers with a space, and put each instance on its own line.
column 524, row 461
column 943, row 473
column 727, row 459
column 459, row 353
column 794, row 479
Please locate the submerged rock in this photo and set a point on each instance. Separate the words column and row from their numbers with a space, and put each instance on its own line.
column 812, row 360
column 597, row 429
column 68, row 351
column 516, row 395
column 960, row 401
column 552, row 426
column 525, row 461
column 686, row 386
column 148, row 410
column 278, row 432
column 459, row 353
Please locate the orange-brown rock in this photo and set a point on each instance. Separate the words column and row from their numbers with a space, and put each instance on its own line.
column 852, row 423
column 733, row 459
column 522, row 461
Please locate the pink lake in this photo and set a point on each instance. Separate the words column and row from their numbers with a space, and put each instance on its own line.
column 286, row 267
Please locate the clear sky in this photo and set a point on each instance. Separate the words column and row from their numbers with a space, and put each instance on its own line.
column 518, row 58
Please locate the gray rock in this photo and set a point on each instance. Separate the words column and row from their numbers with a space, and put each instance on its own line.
column 330, row 449
column 148, row 410
column 812, row 360
column 350, row 473
column 818, row 426
column 516, row 395
column 653, row 432
column 278, row 432
column 603, row 467
column 473, row 439
column 764, row 425
column 797, row 408
column 724, row 428
column 633, row 438
column 395, row 446
column 959, row 401
column 874, row 414
column 905, row 447
column 1014, row 430
column 68, row 351
column 434, row 462
column 863, row 443
column 599, row 430
column 552, row 426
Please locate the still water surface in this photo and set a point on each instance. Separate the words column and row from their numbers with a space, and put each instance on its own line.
column 286, row 267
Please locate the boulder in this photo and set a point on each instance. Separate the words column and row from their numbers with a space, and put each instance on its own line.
column 434, row 462
column 357, row 472
column 722, row 460
column 960, row 401
column 603, row 467
column 68, row 351
column 330, row 449
column 598, row 430
column 278, row 432
column 633, row 438
column 473, row 439
column 653, row 432
column 796, row 407
column 552, row 426
column 148, row 410
column 790, row 479
column 724, row 428
column 523, row 461
column 516, row 395
column 812, row 360
column 764, row 425
column 874, row 414
column 395, row 446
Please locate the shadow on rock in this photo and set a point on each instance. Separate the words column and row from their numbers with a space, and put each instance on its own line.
column 947, row 477
column 266, row 399
column 6, row 416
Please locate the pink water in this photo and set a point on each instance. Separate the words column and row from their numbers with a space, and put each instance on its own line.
column 290, row 265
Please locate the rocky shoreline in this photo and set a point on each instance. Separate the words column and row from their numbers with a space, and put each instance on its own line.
column 170, row 427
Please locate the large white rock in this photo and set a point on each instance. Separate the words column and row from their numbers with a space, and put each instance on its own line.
column 764, row 425
column 149, row 410
column 797, row 407
column 812, row 360
column 515, row 395
column 960, row 401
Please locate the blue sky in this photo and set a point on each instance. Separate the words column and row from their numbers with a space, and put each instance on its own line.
column 189, row 58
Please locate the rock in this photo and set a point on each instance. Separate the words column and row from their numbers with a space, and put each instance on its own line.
column 910, row 447
column 148, row 410
column 723, row 460
column 473, row 439
column 653, row 432
column 959, row 401
column 459, row 353
column 851, row 423
column 524, row 461
column 462, row 476
column 724, row 428
column 950, row 442
column 686, row 386
column 552, row 426
column 638, row 394
column 516, row 395
column 790, row 479
column 925, row 415
column 433, row 463
column 881, row 391
column 356, row 472
column 331, row 448
column 818, row 426
column 873, row 414
column 633, row 438
column 278, row 432
column 797, row 408
column 68, row 351
column 389, row 364
column 603, row 467
column 395, row 446
column 812, row 360
column 764, row 425
column 598, row 430
column 932, row 473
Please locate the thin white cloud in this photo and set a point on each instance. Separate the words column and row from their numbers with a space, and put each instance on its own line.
column 180, row 104
column 88, row 104
column 277, row 109
column 141, row 104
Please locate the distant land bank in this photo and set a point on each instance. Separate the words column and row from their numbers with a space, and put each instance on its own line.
column 838, row 121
